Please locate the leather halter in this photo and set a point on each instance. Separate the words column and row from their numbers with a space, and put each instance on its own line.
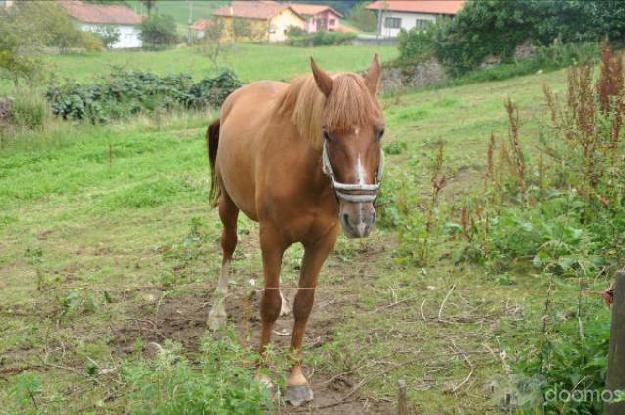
column 353, row 192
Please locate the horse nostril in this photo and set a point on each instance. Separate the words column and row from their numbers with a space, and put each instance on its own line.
column 345, row 218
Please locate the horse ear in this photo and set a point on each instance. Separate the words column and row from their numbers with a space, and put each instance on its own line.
column 323, row 80
column 372, row 79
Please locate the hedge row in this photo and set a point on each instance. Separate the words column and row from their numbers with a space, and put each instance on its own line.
column 495, row 28
column 321, row 38
column 125, row 93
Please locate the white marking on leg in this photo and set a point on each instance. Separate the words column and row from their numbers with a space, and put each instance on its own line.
column 217, row 315
column 285, row 309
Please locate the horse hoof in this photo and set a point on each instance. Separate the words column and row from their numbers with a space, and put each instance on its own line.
column 298, row 395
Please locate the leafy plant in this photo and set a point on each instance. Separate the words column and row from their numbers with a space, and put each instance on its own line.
column 25, row 391
column 127, row 93
column 221, row 382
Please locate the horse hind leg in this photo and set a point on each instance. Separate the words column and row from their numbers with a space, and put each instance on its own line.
column 228, row 213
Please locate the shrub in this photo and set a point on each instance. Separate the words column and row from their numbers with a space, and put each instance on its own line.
column 91, row 42
column 29, row 109
column 126, row 93
column 108, row 35
column 416, row 45
column 322, row 38
column 495, row 28
column 295, row 32
column 221, row 382
column 158, row 31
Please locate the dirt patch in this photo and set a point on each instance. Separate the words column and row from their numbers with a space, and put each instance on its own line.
column 183, row 319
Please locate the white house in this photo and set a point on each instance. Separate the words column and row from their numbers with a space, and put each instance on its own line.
column 394, row 15
column 92, row 17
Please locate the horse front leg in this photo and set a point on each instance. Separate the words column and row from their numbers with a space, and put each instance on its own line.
column 272, row 245
column 315, row 254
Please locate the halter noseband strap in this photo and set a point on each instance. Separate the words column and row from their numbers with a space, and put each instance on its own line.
column 353, row 193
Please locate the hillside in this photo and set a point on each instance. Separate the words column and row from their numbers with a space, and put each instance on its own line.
column 179, row 9
column 250, row 61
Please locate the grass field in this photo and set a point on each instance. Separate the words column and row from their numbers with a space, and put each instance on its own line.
column 107, row 243
column 179, row 9
column 251, row 62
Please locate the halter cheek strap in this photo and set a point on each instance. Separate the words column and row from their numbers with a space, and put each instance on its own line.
column 353, row 192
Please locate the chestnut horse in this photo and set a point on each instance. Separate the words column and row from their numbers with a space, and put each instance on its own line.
column 298, row 158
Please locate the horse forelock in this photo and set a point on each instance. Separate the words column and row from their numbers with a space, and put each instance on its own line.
column 350, row 105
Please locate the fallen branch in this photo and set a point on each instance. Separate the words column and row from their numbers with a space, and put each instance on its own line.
column 472, row 368
column 440, row 310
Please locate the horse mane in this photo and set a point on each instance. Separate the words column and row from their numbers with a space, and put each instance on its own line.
column 349, row 105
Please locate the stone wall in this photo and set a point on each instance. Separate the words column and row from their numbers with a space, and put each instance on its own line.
column 413, row 76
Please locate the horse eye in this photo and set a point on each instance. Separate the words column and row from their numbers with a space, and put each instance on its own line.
column 380, row 133
column 326, row 135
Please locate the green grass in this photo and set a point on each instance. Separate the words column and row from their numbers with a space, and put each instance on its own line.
column 106, row 237
column 251, row 62
column 201, row 9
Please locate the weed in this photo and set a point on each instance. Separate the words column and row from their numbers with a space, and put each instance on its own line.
column 221, row 382
column 27, row 387
column 29, row 109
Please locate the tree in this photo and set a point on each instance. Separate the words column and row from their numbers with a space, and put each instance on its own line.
column 14, row 63
column 362, row 18
column 213, row 41
column 149, row 5
column 26, row 29
column 158, row 30
column 109, row 35
column 46, row 23
column 493, row 27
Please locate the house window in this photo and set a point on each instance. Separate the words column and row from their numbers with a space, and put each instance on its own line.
column 392, row 22
column 332, row 22
column 421, row 24
column 2, row 3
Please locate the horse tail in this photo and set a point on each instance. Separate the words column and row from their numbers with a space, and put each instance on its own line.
column 212, row 142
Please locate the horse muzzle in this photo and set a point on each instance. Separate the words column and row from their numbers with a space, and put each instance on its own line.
column 356, row 200
column 357, row 219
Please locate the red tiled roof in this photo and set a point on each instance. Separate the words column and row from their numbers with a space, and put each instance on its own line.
column 201, row 25
column 419, row 6
column 312, row 9
column 101, row 13
column 263, row 9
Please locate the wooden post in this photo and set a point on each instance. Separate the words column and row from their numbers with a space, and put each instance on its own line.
column 616, row 358
column 402, row 399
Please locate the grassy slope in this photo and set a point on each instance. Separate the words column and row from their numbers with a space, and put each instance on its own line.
column 251, row 62
column 74, row 219
column 179, row 9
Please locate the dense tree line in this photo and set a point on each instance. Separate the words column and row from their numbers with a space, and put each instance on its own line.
column 492, row 27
